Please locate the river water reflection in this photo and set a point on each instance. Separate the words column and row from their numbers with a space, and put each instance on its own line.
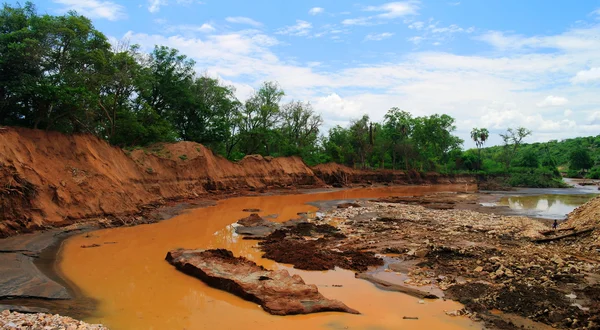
column 549, row 206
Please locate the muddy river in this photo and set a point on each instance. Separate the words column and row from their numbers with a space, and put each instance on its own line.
column 136, row 289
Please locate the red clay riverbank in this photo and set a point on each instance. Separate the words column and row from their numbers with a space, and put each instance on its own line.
column 51, row 179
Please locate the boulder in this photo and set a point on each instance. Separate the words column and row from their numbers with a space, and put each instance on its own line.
column 276, row 292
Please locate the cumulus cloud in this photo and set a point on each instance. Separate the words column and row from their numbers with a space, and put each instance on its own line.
column 94, row 8
column 243, row 20
column 552, row 101
column 316, row 10
column 587, row 76
column 301, row 28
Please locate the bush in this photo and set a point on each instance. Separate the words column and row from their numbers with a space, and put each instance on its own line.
column 594, row 173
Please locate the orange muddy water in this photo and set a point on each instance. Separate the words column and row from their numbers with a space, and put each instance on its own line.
column 137, row 289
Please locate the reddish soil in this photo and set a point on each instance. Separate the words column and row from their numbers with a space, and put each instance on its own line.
column 50, row 179
column 276, row 291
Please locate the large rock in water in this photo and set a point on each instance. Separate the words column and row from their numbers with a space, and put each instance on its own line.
column 276, row 291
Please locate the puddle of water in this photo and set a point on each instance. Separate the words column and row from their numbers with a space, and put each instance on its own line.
column 137, row 289
column 549, row 206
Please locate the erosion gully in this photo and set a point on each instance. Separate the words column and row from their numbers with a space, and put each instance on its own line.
column 135, row 288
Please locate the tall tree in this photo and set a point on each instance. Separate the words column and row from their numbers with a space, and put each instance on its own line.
column 259, row 116
column 580, row 159
column 360, row 139
column 299, row 128
column 479, row 136
column 397, row 126
column 513, row 138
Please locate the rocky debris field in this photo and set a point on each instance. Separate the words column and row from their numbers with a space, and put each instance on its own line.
column 14, row 320
column 485, row 261
column 277, row 292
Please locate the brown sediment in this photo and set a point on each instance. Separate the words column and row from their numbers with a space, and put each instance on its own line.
column 52, row 179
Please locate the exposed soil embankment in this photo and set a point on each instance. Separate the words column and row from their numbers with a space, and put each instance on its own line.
column 50, row 179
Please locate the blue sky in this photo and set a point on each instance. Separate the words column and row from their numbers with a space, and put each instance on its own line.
column 492, row 63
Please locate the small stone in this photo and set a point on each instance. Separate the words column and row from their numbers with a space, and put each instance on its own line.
column 478, row 269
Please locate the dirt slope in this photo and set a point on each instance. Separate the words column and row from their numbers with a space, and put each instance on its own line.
column 585, row 216
column 51, row 179
column 48, row 179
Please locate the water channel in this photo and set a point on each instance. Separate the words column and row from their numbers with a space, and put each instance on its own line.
column 136, row 289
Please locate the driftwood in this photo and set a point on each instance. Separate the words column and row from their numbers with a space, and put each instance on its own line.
column 552, row 231
column 555, row 238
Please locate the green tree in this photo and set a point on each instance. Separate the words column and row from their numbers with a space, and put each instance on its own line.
column 299, row 128
column 397, row 127
column 360, row 138
column 259, row 117
column 580, row 160
column 513, row 138
column 479, row 136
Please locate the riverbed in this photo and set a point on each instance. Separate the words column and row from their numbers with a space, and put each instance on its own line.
column 136, row 289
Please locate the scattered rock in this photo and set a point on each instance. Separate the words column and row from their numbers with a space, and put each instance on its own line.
column 17, row 320
column 278, row 293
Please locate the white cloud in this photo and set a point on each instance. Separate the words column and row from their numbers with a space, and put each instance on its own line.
column 572, row 40
column 415, row 40
column 301, row 28
column 552, row 101
column 154, row 5
column 378, row 36
column 396, row 9
column 204, row 28
column 316, row 10
column 594, row 118
column 390, row 10
column 530, row 89
column 357, row 21
column 94, row 8
column 454, row 3
column 243, row 20
column 416, row 25
column 587, row 76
